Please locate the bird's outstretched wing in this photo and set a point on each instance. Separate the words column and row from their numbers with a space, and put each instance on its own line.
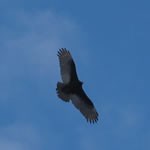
column 85, row 106
column 67, row 66
column 78, row 97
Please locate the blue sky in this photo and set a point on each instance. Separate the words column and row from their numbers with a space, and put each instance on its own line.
column 109, row 41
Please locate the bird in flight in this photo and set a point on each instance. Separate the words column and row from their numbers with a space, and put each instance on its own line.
column 70, row 89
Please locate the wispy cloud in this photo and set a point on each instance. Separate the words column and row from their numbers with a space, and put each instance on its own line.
column 36, row 37
column 30, row 43
column 27, row 61
column 19, row 137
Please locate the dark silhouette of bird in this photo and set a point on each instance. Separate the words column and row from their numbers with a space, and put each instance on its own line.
column 71, row 87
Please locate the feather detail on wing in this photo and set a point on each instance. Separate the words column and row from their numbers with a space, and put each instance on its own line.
column 65, row 67
column 63, row 96
column 88, row 111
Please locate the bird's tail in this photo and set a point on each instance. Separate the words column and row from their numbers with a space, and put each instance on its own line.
column 60, row 93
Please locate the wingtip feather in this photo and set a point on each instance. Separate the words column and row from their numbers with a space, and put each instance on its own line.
column 63, row 52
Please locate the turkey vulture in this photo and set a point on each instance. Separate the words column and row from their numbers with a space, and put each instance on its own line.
column 71, row 88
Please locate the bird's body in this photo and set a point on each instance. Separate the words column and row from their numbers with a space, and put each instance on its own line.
column 71, row 88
